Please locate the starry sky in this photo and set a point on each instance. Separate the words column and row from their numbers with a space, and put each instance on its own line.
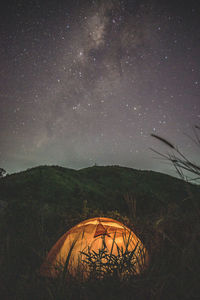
column 87, row 82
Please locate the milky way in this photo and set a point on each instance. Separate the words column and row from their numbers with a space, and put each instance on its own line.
column 87, row 82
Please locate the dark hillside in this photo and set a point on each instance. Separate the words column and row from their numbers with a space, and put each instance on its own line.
column 103, row 188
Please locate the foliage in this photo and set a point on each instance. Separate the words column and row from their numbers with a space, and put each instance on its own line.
column 182, row 163
column 2, row 172
column 103, row 263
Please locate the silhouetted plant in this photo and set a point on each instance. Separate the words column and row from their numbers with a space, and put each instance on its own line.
column 2, row 172
column 180, row 228
column 103, row 262
column 181, row 162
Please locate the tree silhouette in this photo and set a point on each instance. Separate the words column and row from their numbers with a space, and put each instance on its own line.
column 2, row 172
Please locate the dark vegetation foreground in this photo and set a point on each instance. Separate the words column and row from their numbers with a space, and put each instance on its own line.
column 37, row 206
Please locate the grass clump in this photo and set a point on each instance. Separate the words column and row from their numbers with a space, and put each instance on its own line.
column 104, row 263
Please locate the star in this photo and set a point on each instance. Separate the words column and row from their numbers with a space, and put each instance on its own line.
column 88, row 80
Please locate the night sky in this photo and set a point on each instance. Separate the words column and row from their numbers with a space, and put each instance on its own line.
column 87, row 82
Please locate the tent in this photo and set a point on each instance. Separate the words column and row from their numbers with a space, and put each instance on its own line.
column 92, row 236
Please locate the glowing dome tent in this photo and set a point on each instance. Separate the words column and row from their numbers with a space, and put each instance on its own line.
column 90, row 236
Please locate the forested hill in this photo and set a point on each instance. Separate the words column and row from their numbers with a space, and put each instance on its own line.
column 104, row 188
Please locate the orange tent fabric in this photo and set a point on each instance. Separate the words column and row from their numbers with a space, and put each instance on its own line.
column 92, row 234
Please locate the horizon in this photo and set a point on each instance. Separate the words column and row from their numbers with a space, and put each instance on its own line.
column 173, row 174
